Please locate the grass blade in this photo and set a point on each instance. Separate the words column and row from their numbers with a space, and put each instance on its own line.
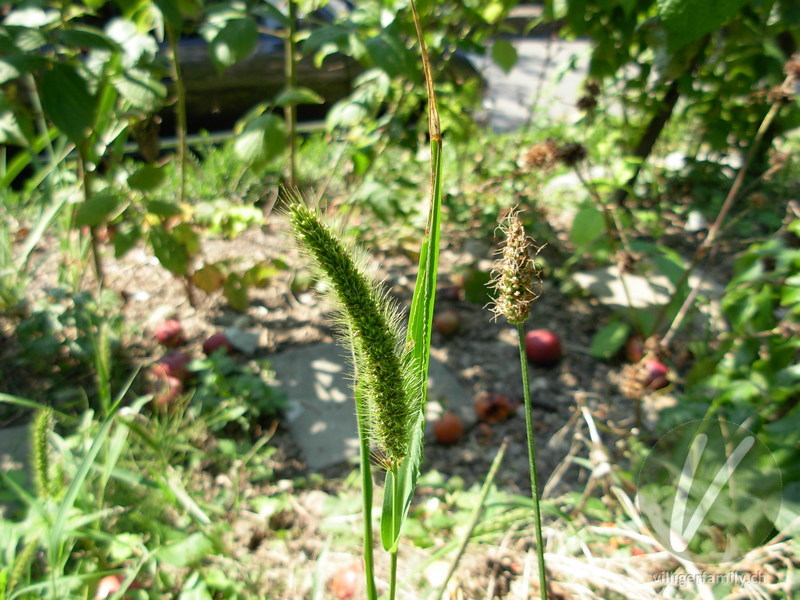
column 68, row 502
column 476, row 514
column 420, row 322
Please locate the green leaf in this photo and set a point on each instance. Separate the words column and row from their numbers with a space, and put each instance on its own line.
column 504, row 54
column 670, row 264
column 686, row 21
column 84, row 36
column 162, row 208
column 790, row 296
column 147, row 178
column 67, row 101
column 96, row 210
column 492, row 11
column 169, row 12
column 299, row 95
column 235, row 292
column 235, row 41
column 265, row 9
column 137, row 47
column 389, row 53
column 209, row 278
column 607, row 342
column 169, row 251
column 260, row 274
column 262, row 140
column 16, row 127
column 17, row 65
column 65, row 508
column 186, row 552
column 419, row 339
column 29, row 16
column 345, row 114
column 141, row 89
column 196, row 592
column 125, row 238
column 589, row 224
column 125, row 545
column 187, row 237
column 388, row 525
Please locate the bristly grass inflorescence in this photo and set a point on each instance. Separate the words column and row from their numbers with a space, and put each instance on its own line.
column 40, row 455
column 371, row 321
column 515, row 277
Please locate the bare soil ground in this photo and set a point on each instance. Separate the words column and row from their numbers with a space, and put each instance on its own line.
column 482, row 354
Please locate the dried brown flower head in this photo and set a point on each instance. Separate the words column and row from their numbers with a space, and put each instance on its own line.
column 572, row 153
column 792, row 67
column 587, row 103
column 781, row 94
column 514, row 275
column 540, row 156
column 632, row 380
column 592, row 87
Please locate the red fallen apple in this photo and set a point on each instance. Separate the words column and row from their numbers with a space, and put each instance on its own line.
column 447, row 322
column 449, row 429
column 655, row 374
column 173, row 364
column 543, row 347
column 347, row 581
column 167, row 390
column 634, row 348
column 450, row 293
column 215, row 342
column 491, row 407
column 109, row 585
column 170, row 334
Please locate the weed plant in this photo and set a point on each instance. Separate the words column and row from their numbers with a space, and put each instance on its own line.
column 390, row 368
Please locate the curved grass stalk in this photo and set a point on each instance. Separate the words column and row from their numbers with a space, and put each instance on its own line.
column 514, row 277
column 537, row 513
column 476, row 514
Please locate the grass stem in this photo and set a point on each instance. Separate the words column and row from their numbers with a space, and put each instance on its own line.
column 526, row 391
column 397, row 492
column 476, row 514
column 366, row 496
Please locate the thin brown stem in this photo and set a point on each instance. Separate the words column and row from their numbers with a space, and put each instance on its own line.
column 708, row 248
column 290, row 110
column 657, row 123
column 180, row 111
column 86, row 184
column 181, row 132
column 613, row 224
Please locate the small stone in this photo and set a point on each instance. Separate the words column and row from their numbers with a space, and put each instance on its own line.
column 695, row 222
column 539, row 384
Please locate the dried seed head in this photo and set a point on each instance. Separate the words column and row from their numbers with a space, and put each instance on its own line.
column 632, row 380
column 572, row 153
column 781, row 94
column 514, row 275
column 587, row 103
column 540, row 156
column 592, row 87
column 792, row 68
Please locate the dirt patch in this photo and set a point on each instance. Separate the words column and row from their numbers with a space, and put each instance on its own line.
column 483, row 355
